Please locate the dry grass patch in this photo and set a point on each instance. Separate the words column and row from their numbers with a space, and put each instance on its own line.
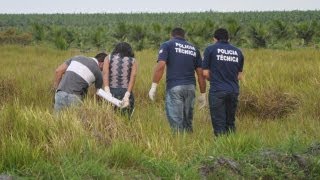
column 105, row 124
column 270, row 104
column 8, row 90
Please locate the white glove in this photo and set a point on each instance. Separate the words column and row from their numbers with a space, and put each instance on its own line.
column 107, row 90
column 152, row 92
column 125, row 101
column 202, row 100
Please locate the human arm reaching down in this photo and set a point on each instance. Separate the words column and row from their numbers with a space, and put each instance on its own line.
column 125, row 100
column 59, row 72
column 202, row 99
column 157, row 75
column 105, row 75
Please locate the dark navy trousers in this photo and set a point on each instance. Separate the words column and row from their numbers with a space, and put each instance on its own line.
column 223, row 106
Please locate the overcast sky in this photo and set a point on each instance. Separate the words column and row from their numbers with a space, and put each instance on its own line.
column 115, row 6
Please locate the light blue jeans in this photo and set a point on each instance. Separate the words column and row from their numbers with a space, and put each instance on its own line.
column 63, row 100
column 179, row 107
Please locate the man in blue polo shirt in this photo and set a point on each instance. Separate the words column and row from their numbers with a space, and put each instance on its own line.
column 222, row 66
column 182, row 60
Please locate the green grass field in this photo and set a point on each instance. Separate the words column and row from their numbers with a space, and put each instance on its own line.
column 277, row 135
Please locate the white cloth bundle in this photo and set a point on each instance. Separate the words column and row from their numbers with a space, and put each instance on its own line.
column 109, row 98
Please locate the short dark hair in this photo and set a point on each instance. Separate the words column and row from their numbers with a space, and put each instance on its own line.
column 124, row 49
column 178, row 32
column 101, row 56
column 221, row 34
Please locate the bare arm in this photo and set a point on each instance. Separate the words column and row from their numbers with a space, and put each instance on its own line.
column 58, row 74
column 206, row 74
column 105, row 72
column 240, row 76
column 133, row 76
column 158, row 71
column 201, row 80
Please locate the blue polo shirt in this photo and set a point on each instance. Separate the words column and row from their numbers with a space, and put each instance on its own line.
column 181, row 58
column 224, row 62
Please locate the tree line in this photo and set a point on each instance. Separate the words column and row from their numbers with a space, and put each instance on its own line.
column 274, row 29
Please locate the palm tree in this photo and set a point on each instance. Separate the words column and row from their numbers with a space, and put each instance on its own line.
column 98, row 37
column 306, row 31
column 280, row 30
column 258, row 34
column 38, row 32
column 234, row 28
column 120, row 31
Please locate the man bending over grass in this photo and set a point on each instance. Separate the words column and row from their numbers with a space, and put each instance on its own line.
column 73, row 78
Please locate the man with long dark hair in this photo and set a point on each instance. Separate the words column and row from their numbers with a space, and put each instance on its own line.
column 222, row 66
column 182, row 60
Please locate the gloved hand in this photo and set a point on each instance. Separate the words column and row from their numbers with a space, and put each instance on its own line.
column 152, row 92
column 202, row 100
column 125, row 100
column 107, row 90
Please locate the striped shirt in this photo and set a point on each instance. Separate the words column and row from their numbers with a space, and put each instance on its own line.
column 80, row 74
column 120, row 71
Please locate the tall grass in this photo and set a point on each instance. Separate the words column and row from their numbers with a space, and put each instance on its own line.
column 279, row 109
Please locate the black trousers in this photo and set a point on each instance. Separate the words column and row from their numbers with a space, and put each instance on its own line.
column 119, row 94
column 223, row 106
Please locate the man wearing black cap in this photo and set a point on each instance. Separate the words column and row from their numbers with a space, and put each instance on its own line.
column 73, row 78
column 222, row 66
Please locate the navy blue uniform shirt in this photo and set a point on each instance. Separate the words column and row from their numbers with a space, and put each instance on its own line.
column 181, row 58
column 224, row 62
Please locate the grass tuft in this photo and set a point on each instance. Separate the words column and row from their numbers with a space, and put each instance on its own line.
column 269, row 104
column 8, row 90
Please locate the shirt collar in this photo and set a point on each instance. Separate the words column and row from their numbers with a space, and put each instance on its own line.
column 95, row 60
column 180, row 38
column 223, row 42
